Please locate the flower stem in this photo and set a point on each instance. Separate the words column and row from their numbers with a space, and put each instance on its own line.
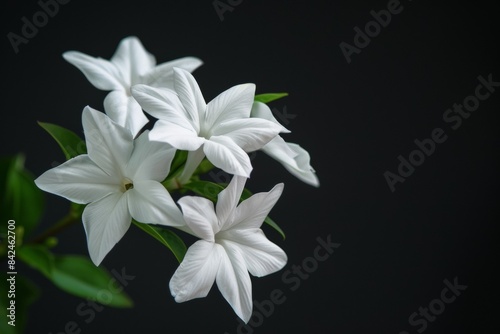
column 68, row 220
column 193, row 161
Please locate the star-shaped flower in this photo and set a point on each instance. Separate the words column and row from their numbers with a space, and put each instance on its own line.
column 119, row 179
column 232, row 244
column 292, row 156
column 131, row 64
column 221, row 130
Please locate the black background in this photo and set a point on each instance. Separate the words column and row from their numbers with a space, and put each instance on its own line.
column 355, row 119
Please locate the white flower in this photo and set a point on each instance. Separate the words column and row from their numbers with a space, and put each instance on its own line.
column 222, row 129
column 293, row 157
column 232, row 244
column 131, row 64
column 119, row 178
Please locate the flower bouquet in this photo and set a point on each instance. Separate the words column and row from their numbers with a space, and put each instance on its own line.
column 156, row 138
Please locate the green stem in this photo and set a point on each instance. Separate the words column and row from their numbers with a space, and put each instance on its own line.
column 172, row 184
column 193, row 160
column 62, row 224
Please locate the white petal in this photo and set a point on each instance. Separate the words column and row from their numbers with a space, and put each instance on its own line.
column 150, row 203
column 228, row 199
column 261, row 110
column 163, row 74
column 108, row 144
column 248, row 133
column 175, row 135
column 150, row 160
column 163, row 104
column 261, row 256
column 252, row 211
column 190, row 95
column 234, row 103
column 226, row 155
column 234, row 283
column 124, row 110
column 105, row 222
column 299, row 166
column 100, row 72
column 199, row 215
column 79, row 180
column 196, row 274
column 132, row 59
column 279, row 150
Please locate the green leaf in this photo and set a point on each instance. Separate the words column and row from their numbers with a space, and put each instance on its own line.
column 77, row 275
column 37, row 257
column 206, row 189
column 278, row 229
column 210, row 190
column 25, row 294
column 70, row 143
column 269, row 97
column 74, row 274
column 166, row 237
column 20, row 199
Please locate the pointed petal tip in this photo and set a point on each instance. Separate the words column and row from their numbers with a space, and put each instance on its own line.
column 249, row 85
column 244, row 172
column 88, row 111
column 279, row 187
column 131, row 37
column 315, row 183
column 195, row 60
column 39, row 183
column 97, row 261
column 246, row 318
column 68, row 55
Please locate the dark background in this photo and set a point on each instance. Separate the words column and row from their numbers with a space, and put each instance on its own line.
column 355, row 119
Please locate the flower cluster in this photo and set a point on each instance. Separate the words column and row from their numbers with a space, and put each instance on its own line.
column 124, row 175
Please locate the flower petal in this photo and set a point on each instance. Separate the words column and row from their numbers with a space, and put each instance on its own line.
column 234, row 283
column 252, row 211
column 124, row 110
column 176, row 135
column 190, row 95
column 163, row 104
column 199, row 215
column 105, row 222
column 79, row 180
column 196, row 274
column 234, row 103
column 261, row 110
column 299, row 165
column 261, row 256
column 223, row 152
column 108, row 144
column 132, row 59
column 101, row 73
column 150, row 203
column 248, row 133
column 150, row 160
column 228, row 199
column 163, row 74
column 279, row 150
